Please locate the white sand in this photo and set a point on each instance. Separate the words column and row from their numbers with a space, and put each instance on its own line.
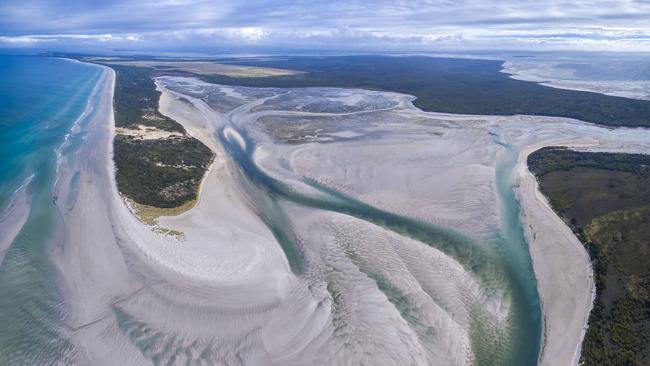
column 562, row 265
column 563, row 271
column 222, row 225
column 392, row 343
column 553, row 73
column 229, row 269
column 226, row 293
column 441, row 191
column 147, row 133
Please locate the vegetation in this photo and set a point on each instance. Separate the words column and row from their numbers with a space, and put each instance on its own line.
column 136, row 100
column 447, row 85
column 605, row 198
column 163, row 172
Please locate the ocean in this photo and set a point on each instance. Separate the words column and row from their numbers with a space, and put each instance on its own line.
column 41, row 100
column 618, row 74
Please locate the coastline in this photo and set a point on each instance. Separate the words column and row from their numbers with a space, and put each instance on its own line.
column 88, row 163
column 562, row 322
column 632, row 89
column 542, row 252
column 15, row 215
column 268, row 275
column 94, row 274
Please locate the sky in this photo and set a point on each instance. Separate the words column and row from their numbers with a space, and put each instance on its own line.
column 348, row 25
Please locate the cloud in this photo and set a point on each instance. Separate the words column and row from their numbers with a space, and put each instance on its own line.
column 18, row 41
column 345, row 25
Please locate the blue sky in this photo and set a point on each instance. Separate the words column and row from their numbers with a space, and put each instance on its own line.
column 384, row 25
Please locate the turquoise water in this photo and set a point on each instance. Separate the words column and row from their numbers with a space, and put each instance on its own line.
column 40, row 101
column 502, row 263
column 511, row 243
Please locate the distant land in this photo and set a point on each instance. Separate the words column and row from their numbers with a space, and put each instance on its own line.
column 146, row 171
column 447, row 85
column 601, row 196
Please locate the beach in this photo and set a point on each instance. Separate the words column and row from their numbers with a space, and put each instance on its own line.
column 561, row 263
column 353, row 228
column 565, row 300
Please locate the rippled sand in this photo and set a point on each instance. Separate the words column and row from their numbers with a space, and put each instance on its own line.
column 293, row 272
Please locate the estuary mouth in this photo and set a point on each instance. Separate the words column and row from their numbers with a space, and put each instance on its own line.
column 490, row 305
column 172, row 220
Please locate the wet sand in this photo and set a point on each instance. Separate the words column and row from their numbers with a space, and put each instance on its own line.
column 134, row 294
column 560, row 263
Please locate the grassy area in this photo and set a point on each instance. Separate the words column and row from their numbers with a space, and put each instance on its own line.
column 605, row 198
column 165, row 172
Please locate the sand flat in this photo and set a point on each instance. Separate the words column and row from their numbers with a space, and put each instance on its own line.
column 367, row 293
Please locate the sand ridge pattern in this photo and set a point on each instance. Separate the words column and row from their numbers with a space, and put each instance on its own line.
column 351, row 229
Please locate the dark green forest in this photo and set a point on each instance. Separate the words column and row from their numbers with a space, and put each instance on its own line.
column 163, row 173
column 448, row 85
column 605, row 198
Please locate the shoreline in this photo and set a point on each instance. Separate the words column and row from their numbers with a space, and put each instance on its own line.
column 544, row 258
column 220, row 226
column 200, row 223
column 546, row 265
column 558, row 343
column 526, row 174
column 631, row 89
column 150, row 214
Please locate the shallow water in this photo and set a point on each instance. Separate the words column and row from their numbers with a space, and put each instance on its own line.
column 513, row 247
column 504, row 266
column 31, row 307
column 41, row 99
column 618, row 74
